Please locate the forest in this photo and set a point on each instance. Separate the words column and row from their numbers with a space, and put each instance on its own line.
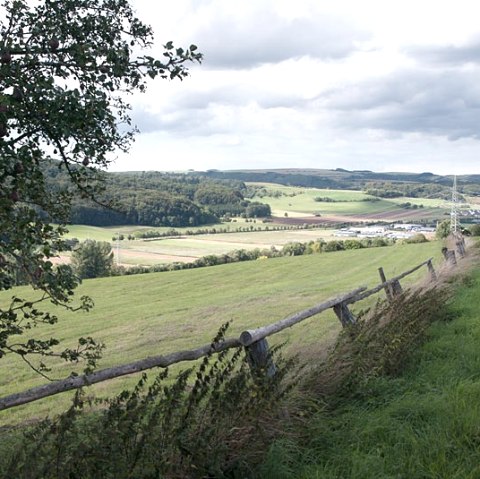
column 158, row 199
column 340, row 178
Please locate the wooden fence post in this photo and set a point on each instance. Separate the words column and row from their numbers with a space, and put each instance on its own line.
column 452, row 258
column 388, row 289
column 449, row 256
column 344, row 314
column 431, row 270
column 259, row 357
column 396, row 288
column 461, row 248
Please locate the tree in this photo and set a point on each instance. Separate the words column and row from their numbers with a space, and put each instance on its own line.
column 443, row 229
column 92, row 259
column 475, row 230
column 256, row 210
column 66, row 67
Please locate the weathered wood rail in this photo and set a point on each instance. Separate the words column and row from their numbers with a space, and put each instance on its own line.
column 254, row 340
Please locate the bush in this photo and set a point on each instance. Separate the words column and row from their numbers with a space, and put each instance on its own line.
column 352, row 244
column 475, row 230
column 294, row 249
column 333, row 246
column 416, row 238
column 207, row 423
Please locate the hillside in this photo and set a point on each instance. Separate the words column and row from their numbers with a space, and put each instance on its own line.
column 199, row 198
column 419, row 422
column 341, row 178
column 143, row 315
column 155, row 199
column 404, row 406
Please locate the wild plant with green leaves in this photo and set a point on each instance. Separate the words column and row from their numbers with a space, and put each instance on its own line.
column 211, row 421
column 381, row 342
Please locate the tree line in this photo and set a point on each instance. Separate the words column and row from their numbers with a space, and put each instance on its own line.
column 387, row 189
column 159, row 199
column 92, row 259
column 340, row 178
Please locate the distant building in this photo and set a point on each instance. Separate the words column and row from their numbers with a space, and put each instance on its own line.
column 406, row 226
column 345, row 233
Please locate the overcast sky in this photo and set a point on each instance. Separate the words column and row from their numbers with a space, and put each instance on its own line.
column 371, row 84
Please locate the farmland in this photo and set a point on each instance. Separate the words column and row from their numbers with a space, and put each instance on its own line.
column 292, row 207
column 188, row 248
column 143, row 315
column 348, row 205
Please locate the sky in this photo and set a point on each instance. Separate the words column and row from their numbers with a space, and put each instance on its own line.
column 362, row 85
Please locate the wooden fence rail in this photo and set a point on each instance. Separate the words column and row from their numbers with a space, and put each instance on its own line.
column 254, row 340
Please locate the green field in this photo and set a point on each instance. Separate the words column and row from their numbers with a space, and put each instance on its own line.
column 295, row 202
column 189, row 248
column 143, row 315
column 301, row 201
column 422, row 423
column 106, row 233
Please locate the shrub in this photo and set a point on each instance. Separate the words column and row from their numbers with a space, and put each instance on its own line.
column 294, row 249
column 333, row 246
column 475, row 230
column 207, row 423
column 352, row 244
column 417, row 238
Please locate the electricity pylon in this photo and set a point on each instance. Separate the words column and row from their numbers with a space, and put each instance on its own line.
column 454, row 225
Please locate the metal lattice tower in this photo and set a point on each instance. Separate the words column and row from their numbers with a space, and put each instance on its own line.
column 454, row 225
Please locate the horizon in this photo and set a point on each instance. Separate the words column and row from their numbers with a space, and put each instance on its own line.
column 193, row 170
column 384, row 86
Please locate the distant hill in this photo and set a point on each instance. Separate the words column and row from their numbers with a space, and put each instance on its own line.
column 197, row 198
column 158, row 199
column 340, row 178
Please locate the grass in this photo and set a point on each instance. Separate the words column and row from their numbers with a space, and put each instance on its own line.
column 167, row 250
column 143, row 315
column 421, row 424
column 106, row 233
column 301, row 201
column 348, row 206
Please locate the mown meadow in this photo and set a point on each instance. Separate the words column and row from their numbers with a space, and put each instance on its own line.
column 143, row 315
column 296, row 201
column 302, row 200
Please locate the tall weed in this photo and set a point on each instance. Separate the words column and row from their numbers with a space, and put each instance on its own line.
column 210, row 422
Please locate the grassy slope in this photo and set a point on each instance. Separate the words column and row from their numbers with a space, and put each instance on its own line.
column 424, row 424
column 349, row 202
column 144, row 315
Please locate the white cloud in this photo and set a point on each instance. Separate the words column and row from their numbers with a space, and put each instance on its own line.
column 360, row 85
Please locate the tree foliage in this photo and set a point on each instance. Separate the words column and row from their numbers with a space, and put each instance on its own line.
column 443, row 229
column 66, row 68
column 475, row 230
column 93, row 259
column 159, row 199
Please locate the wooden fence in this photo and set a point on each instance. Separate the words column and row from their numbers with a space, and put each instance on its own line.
column 254, row 341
